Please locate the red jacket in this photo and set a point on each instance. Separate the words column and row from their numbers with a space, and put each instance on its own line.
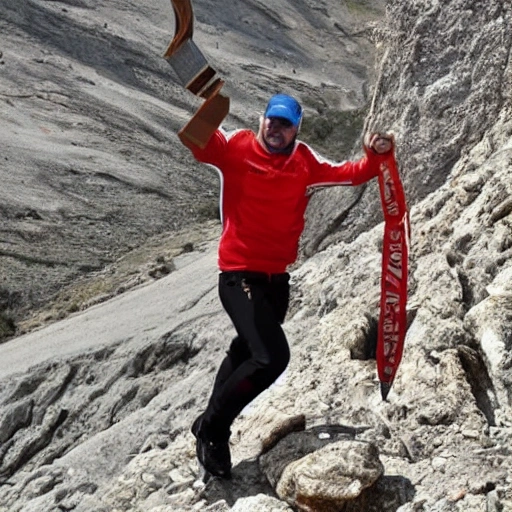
column 264, row 196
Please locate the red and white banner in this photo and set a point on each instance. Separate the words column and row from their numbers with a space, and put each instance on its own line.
column 395, row 253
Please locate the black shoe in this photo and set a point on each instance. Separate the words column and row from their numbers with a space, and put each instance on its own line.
column 214, row 456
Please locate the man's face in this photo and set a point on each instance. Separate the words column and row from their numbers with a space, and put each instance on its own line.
column 278, row 132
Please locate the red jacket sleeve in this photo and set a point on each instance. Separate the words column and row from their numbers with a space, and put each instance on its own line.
column 325, row 173
column 214, row 151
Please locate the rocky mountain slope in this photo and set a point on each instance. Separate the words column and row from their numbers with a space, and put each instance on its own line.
column 91, row 164
column 103, row 426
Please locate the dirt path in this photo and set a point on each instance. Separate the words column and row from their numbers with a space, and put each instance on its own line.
column 158, row 307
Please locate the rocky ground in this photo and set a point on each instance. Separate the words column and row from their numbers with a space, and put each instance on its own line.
column 96, row 408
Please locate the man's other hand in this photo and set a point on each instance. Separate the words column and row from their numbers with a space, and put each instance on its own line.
column 381, row 142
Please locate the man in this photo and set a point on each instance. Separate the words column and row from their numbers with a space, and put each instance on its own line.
column 266, row 180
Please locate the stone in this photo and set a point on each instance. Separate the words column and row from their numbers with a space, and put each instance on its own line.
column 326, row 477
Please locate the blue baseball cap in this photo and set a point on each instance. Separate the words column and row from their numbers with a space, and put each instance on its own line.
column 282, row 105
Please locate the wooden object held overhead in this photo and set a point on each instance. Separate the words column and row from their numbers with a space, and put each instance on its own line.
column 197, row 76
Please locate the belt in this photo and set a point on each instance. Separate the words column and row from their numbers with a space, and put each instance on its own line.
column 283, row 277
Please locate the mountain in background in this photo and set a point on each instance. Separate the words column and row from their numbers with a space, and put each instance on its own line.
column 91, row 164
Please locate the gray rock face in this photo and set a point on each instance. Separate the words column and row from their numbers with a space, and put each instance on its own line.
column 105, row 427
column 443, row 84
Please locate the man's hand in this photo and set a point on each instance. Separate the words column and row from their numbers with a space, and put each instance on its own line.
column 381, row 142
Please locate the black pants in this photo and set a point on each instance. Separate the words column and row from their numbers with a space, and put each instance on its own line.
column 257, row 305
